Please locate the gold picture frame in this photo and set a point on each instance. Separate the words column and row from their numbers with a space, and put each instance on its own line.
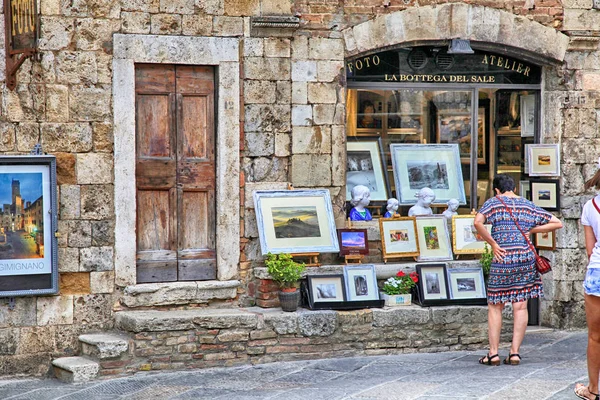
column 465, row 240
column 398, row 237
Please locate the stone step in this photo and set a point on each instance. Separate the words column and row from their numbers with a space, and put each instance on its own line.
column 75, row 369
column 104, row 345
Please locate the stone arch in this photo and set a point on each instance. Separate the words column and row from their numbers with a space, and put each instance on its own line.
column 487, row 28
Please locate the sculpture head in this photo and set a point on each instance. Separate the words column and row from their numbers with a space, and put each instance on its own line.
column 452, row 205
column 360, row 195
column 392, row 205
column 425, row 196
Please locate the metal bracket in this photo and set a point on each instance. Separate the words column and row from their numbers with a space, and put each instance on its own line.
column 37, row 150
column 11, row 303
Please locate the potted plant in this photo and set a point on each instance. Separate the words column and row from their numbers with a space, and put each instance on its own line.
column 486, row 261
column 286, row 273
column 396, row 290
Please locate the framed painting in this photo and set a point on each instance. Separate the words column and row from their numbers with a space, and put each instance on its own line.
column 524, row 189
column 465, row 239
column 399, row 237
column 361, row 283
column 436, row 166
column 434, row 241
column 466, row 283
column 325, row 289
column 528, row 115
column 456, row 128
column 545, row 194
column 353, row 241
column 432, row 282
column 545, row 240
column 364, row 159
column 370, row 108
column 28, row 224
column 543, row 159
column 295, row 221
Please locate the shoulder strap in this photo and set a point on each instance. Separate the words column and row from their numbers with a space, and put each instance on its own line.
column 595, row 205
column 517, row 224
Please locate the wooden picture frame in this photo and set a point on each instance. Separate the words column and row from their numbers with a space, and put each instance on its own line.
column 433, row 237
column 399, row 237
column 455, row 127
column 465, row 239
column 326, row 289
column 545, row 193
column 361, row 283
column 353, row 241
column 369, row 120
column 436, row 166
column 466, row 283
column 545, row 240
column 543, row 159
column 365, row 166
column 432, row 283
column 295, row 221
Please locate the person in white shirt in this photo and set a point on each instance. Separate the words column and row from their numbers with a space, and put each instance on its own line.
column 590, row 219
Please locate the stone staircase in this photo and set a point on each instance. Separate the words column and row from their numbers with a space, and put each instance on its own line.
column 99, row 351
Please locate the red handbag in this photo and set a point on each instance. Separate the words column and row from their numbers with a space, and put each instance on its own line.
column 542, row 264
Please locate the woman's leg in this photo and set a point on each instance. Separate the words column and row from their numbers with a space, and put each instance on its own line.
column 494, row 326
column 520, row 319
column 592, row 312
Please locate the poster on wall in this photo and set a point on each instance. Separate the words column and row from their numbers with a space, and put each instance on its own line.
column 28, row 222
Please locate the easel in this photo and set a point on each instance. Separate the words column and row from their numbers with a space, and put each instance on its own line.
column 386, row 258
column 352, row 258
column 473, row 212
column 312, row 258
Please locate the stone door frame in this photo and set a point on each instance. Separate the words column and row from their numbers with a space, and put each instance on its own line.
column 223, row 53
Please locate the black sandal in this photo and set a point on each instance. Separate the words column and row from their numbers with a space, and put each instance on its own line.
column 487, row 360
column 509, row 361
column 579, row 389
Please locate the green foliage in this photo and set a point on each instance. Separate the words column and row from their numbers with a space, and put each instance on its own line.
column 486, row 260
column 400, row 284
column 284, row 270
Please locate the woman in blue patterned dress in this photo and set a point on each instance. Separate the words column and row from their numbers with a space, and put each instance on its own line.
column 513, row 277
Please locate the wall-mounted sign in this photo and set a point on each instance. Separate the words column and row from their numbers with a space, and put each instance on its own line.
column 28, row 223
column 21, row 24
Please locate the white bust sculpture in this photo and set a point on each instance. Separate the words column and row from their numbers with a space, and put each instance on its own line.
column 425, row 197
column 391, row 207
column 361, row 196
column 451, row 210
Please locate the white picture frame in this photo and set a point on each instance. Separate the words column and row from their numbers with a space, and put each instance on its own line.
column 364, row 166
column 543, row 160
column 466, row 283
column 361, row 283
column 528, row 115
column 433, row 237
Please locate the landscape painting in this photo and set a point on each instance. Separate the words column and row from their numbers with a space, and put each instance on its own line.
column 465, row 284
column 431, row 174
column 295, row 222
column 353, row 239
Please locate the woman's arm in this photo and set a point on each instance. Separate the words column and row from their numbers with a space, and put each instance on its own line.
column 496, row 249
column 590, row 240
column 552, row 225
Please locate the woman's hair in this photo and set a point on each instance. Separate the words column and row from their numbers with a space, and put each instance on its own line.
column 365, row 104
column 593, row 182
column 504, row 183
column 358, row 193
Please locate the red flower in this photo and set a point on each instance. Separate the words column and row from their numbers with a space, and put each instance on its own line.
column 400, row 274
column 414, row 276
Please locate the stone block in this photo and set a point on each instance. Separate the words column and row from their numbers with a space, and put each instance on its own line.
column 404, row 316
column 317, row 323
column 324, row 114
column 93, row 311
column 50, row 7
column 265, row 169
column 330, row 71
column 572, row 179
column 299, row 93
column 8, row 341
column 96, row 259
column 146, row 6
column 24, row 313
column 302, row 115
column 228, row 26
column 253, row 47
column 237, row 8
column 282, row 144
column 268, row 69
column 104, row 67
column 75, row 67
column 65, row 169
column 591, row 81
column 267, row 118
column 304, row 71
column 277, row 47
column 338, row 155
column 573, row 151
column 55, row 310
column 27, row 136
column 300, row 48
column 94, row 168
column 90, row 103
column 310, row 170
column 75, row 369
column 68, row 259
column 70, row 205
column 138, row 22
column 466, row 315
column 102, row 282
column 56, row 33
column 197, row 25
column 74, row 283
column 102, row 136
column 580, row 20
column 326, row 49
column 165, row 24
column 585, row 4
column 176, row 6
column 79, row 233
column 97, row 201
column 104, row 346
column 275, row 7
column 36, row 340
column 322, row 92
column 283, row 92
column 92, row 34
column 7, row 136
column 57, row 96
column 262, row 92
column 251, row 187
column 234, row 335
column 311, row 140
column 103, row 233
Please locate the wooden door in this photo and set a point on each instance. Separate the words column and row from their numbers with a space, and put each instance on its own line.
column 175, row 173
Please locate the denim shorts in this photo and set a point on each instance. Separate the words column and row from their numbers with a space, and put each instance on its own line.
column 591, row 284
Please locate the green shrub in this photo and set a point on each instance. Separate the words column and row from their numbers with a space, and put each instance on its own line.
column 486, row 260
column 284, row 270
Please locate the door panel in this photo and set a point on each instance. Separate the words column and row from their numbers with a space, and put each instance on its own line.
column 154, row 138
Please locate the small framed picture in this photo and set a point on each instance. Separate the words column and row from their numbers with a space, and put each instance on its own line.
column 528, row 115
column 432, row 282
column 465, row 239
column 361, row 283
column 545, row 194
column 399, row 237
column 326, row 289
column 434, row 241
column 545, row 240
column 543, row 159
column 524, row 189
column 466, row 283
column 365, row 166
column 353, row 241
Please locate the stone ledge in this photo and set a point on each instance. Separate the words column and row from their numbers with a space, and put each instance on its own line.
column 173, row 293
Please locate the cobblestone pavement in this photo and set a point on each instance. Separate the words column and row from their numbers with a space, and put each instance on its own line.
column 552, row 362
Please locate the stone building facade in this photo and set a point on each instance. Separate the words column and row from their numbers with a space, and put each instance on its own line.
column 281, row 120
